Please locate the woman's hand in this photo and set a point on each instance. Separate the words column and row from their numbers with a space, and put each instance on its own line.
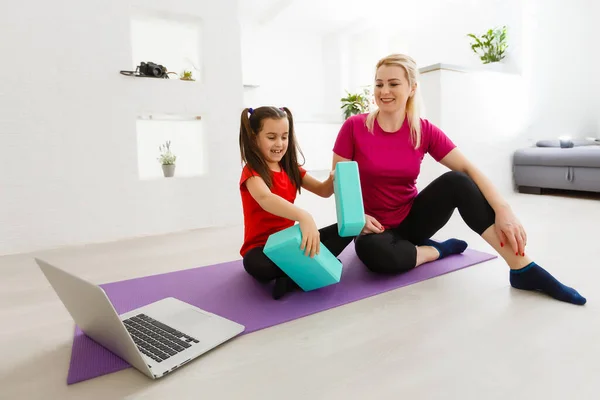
column 510, row 231
column 371, row 226
column 311, row 238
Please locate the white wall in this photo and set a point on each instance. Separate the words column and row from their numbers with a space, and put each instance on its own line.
column 316, row 140
column 336, row 74
column 484, row 113
column 68, row 119
column 288, row 67
column 303, row 71
column 550, row 89
column 561, row 67
column 68, row 124
column 433, row 32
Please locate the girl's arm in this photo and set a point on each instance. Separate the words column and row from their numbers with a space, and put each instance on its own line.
column 323, row 189
column 273, row 203
column 278, row 206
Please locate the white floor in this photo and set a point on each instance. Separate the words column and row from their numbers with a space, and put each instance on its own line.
column 465, row 335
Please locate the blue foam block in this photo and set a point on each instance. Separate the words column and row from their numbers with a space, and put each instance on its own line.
column 348, row 199
column 283, row 248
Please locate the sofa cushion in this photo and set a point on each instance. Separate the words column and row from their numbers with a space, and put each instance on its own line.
column 576, row 142
column 585, row 156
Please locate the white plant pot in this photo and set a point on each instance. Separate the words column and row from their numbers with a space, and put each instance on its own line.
column 168, row 170
column 497, row 66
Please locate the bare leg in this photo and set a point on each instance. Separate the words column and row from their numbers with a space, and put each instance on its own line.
column 527, row 275
column 426, row 254
column 507, row 253
column 433, row 208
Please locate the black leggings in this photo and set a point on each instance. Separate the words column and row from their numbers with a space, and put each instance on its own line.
column 257, row 264
column 394, row 251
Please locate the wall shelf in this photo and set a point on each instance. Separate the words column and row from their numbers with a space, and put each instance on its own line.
column 187, row 143
column 168, row 117
column 171, row 40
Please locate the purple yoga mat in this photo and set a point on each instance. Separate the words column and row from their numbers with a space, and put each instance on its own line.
column 227, row 290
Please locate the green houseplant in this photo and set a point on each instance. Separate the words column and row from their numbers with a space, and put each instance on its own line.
column 491, row 46
column 187, row 76
column 167, row 159
column 356, row 103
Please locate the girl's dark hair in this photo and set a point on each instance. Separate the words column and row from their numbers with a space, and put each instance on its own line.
column 250, row 126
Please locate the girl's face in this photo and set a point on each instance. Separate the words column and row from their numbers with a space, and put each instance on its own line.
column 272, row 140
column 392, row 89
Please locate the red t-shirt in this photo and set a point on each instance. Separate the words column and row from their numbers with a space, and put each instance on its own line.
column 258, row 223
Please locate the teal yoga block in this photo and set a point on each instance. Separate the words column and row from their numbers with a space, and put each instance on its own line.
column 283, row 248
column 348, row 199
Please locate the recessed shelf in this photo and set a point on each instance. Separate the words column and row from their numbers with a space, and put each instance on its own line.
column 187, row 143
column 168, row 117
column 171, row 40
column 180, row 99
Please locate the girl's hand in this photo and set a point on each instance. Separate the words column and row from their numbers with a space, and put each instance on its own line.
column 328, row 184
column 510, row 231
column 311, row 238
column 371, row 226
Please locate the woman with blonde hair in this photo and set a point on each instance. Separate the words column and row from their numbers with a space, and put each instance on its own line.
column 389, row 145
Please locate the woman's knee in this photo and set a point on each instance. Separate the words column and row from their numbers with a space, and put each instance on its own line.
column 472, row 204
column 382, row 254
column 363, row 246
column 458, row 179
column 462, row 185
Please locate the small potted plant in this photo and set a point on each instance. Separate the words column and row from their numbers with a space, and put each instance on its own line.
column 356, row 103
column 187, row 76
column 167, row 159
column 491, row 46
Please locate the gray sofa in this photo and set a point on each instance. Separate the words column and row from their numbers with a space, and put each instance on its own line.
column 548, row 166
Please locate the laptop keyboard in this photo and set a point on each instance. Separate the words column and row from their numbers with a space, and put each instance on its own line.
column 155, row 339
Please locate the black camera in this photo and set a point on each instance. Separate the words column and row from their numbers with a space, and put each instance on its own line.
column 151, row 69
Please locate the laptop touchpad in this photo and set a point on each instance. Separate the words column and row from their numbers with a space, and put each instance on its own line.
column 190, row 320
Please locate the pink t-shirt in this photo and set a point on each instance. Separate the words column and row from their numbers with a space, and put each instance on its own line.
column 389, row 164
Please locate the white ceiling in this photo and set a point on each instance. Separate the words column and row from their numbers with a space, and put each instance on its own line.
column 328, row 16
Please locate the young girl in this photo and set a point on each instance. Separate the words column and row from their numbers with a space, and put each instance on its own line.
column 269, row 183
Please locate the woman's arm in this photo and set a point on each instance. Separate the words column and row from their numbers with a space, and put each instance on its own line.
column 508, row 228
column 337, row 159
column 456, row 161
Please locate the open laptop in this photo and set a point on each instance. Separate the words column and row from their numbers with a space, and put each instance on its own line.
column 156, row 339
